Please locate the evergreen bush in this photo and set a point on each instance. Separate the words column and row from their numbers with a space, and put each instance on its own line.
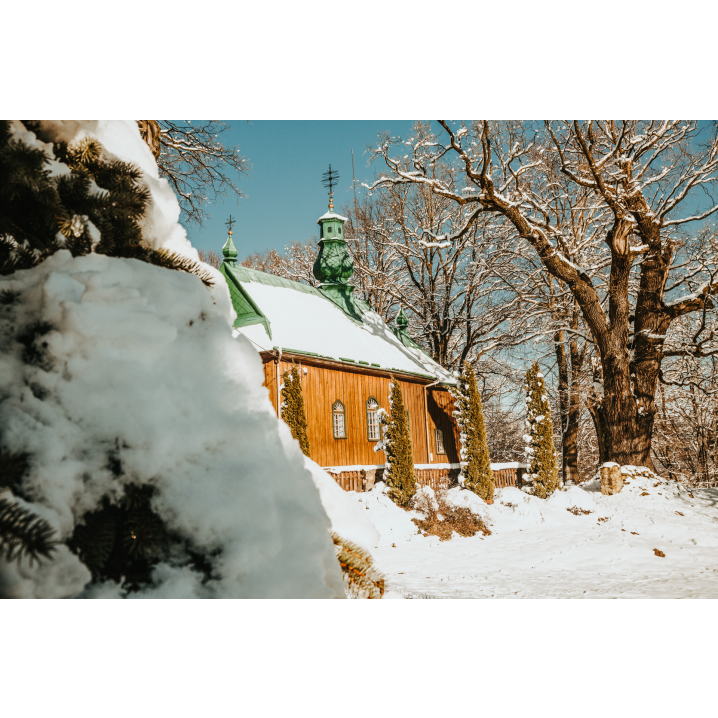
column 475, row 460
column 542, row 474
column 293, row 411
column 399, row 473
column 72, row 197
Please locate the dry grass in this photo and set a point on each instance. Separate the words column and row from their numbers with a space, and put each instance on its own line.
column 578, row 512
column 442, row 519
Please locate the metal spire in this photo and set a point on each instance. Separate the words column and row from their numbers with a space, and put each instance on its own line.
column 329, row 179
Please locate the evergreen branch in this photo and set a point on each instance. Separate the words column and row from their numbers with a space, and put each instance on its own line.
column 22, row 533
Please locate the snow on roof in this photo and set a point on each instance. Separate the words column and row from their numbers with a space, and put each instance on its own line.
column 331, row 215
column 309, row 322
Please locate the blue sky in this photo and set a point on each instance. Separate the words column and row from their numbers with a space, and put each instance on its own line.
column 284, row 190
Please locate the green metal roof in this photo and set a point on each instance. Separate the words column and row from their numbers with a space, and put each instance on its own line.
column 247, row 311
column 245, row 274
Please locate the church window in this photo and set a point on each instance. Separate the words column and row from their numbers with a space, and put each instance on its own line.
column 338, row 419
column 372, row 419
column 440, row 442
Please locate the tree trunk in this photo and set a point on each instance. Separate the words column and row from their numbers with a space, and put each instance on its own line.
column 623, row 432
column 574, row 406
column 569, row 378
column 569, row 409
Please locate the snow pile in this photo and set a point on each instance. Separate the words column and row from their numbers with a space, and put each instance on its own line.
column 347, row 518
column 653, row 539
column 393, row 524
column 135, row 378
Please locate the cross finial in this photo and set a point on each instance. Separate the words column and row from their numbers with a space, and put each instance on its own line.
column 230, row 222
column 329, row 179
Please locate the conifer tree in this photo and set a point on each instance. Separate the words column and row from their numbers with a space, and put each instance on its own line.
column 475, row 461
column 399, row 473
column 293, row 411
column 96, row 205
column 542, row 474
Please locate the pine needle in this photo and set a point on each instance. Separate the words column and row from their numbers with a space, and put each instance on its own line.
column 22, row 533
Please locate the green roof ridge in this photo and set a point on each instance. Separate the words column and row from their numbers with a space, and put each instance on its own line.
column 248, row 312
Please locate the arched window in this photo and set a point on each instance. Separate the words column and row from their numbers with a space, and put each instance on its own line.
column 338, row 422
column 440, row 442
column 372, row 419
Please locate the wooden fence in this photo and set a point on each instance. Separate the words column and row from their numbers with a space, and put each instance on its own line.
column 440, row 478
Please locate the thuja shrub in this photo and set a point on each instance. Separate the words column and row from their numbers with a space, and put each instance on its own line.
column 399, row 472
column 542, row 475
column 293, row 411
column 475, row 460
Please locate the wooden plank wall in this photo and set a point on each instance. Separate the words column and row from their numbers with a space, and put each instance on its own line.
column 322, row 386
column 440, row 405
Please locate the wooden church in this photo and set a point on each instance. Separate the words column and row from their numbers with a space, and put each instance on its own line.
column 346, row 356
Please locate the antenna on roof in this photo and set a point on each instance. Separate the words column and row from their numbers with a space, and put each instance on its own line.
column 329, row 179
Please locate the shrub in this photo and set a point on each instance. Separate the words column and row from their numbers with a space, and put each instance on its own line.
column 542, row 474
column 475, row 461
column 293, row 412
column 442, row 519
column 399, row 472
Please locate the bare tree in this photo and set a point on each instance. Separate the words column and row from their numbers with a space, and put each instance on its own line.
column 296, row 263
column 194, row 159
column 456, row 292
column 646, row 180
column 209, row 256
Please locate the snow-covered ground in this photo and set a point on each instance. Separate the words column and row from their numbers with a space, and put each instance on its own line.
column 538, row 549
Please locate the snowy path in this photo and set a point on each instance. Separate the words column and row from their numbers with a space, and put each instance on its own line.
column 540, row 550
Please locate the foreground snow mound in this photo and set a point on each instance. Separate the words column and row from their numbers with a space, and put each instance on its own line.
column 115, row 372
column 137, row 368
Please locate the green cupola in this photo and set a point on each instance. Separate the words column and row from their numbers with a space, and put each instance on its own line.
column 401, row 321
column 229, row 250
column 400, row 330
column 334, row 266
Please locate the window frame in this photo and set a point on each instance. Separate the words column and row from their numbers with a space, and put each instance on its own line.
column 378, row 424
column 437, row 432
column 343, row 413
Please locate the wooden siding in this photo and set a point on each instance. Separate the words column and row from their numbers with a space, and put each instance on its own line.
column 440, row 405
column 322, row 385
